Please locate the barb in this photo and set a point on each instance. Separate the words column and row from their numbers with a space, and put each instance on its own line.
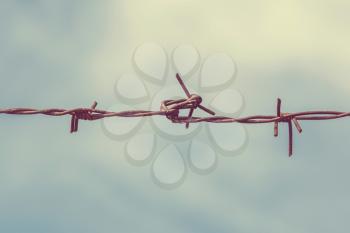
column 197, row 100
column 171, row 110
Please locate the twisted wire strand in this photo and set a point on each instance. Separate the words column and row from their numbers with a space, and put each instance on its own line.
column 171, row 110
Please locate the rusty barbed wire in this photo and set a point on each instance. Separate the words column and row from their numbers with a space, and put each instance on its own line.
column 171, row 110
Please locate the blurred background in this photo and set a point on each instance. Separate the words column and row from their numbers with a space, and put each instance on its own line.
column 69, row 53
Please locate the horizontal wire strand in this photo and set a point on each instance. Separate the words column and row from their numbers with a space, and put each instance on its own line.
column 172, row 108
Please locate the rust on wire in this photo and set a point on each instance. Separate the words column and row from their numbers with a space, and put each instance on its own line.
column 171, row 110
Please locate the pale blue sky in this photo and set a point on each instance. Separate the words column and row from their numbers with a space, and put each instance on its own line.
column 68, row 53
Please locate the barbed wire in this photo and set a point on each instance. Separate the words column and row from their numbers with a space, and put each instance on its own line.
column 171, row 110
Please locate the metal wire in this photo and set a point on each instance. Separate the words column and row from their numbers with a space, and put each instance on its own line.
column 172, row 108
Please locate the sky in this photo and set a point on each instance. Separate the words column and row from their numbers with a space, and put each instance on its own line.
column 69, row 53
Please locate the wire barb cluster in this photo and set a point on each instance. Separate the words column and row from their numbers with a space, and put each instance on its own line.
column 171, row 110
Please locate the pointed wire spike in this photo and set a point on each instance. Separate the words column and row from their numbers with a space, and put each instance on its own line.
column 206, row 110
column 279, row 102
column 94, row 104
column 189, row 117
column 72, row 124
column 275, row 133
column 297, row 125
column 76, row 124
column 290, row 129
column 278, row 114
column 182, row 84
